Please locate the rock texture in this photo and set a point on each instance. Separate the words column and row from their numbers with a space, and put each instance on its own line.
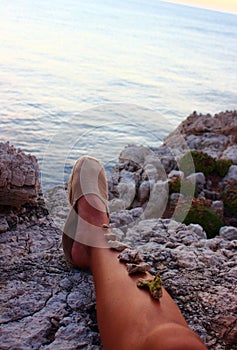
column 154, row 180
column 215, row 135
column 19, row 176
column 46, row 305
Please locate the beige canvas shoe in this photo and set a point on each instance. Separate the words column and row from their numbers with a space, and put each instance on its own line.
column 87, row 177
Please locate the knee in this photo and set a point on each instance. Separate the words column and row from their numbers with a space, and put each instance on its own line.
column 172, row 336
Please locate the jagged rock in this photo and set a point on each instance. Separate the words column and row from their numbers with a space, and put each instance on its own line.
column 215, row 135
column 232, row 173
column 127, row 192
column 19, row 177
column 224, row 123
column 198, row 179
column 230, row 153
column 174, row 174
column 137, row 268
column 45, row 305
column 154, row 168
column 3, row 225
column 144, row 191
column 218, row 207
column 116, row 245
column 228, row 232
column 130, row 256
column 198, row 230
column 157, row 201
column 175, row 197
column 135, row 154
column 116, row 205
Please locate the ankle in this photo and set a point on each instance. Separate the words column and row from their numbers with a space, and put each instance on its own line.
column 92, row 210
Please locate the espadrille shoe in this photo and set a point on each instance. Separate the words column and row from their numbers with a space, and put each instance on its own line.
column 87, row 177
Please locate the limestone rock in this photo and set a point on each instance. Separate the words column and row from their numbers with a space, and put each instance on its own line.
column 157, row 200
column 144, row 191
column 215, row 135
column 3, row 225
column 224, row 123
column 228, row 232
column 230, row 153
column 232, row 173
column 198, row 179
column 218, row 208
column 116, row 245
column 19, row 177
column 137, row 268
column 130, row 256
column 46, row 306
column 135, row 154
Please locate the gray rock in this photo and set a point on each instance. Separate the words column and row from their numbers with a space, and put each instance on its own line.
column 157, row 200
column 130, row 256
column 175, row 197
column 213, row 195
column 218, row 208
column 3, row 225
column 232, row 173
column 198, row 230
column 127, row 192
column 144, row 191
column 230, row 153
column 228, row 232
column 19, row 177
column 116, row 205
column 136, row 154
column 176, row 174
column 215, row 135
column 137, row 268
column 45, row 305
column 197, row 178
column 154, row 168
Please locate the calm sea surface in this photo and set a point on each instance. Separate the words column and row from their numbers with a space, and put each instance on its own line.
column 91, row 76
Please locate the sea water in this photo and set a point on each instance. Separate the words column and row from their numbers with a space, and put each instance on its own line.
column 90, row 76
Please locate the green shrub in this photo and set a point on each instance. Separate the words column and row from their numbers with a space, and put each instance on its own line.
column 230, row 198
column 187, row 187
column 202, row 163
column 222, row 166
column 208, row 219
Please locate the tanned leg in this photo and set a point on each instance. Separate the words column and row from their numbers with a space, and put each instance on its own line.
column 128, row 317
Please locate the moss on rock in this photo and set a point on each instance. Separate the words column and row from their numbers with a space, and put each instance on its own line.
column 202, row 162
column 229, row 197
column 205, row 217
column 222, row 166
column 185, row 187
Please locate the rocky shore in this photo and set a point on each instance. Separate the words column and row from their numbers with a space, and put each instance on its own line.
column 46, row 305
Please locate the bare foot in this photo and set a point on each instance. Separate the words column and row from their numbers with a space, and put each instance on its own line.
column 92, row 211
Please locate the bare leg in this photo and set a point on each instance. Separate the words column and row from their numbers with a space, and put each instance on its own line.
column 128, row 317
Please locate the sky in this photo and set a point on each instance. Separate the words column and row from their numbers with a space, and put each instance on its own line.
column 218, row 5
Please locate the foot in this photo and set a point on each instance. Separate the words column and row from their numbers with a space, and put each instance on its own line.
column 92, row 212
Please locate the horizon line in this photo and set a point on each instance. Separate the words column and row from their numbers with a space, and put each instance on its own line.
column 227, row 8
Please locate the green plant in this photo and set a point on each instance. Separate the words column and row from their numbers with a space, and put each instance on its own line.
column 202, row 163
column 185, row 187
column 204, row 216
column 229, row 197
column 222, row 166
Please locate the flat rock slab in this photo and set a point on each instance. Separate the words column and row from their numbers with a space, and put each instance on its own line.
column 44, row 304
